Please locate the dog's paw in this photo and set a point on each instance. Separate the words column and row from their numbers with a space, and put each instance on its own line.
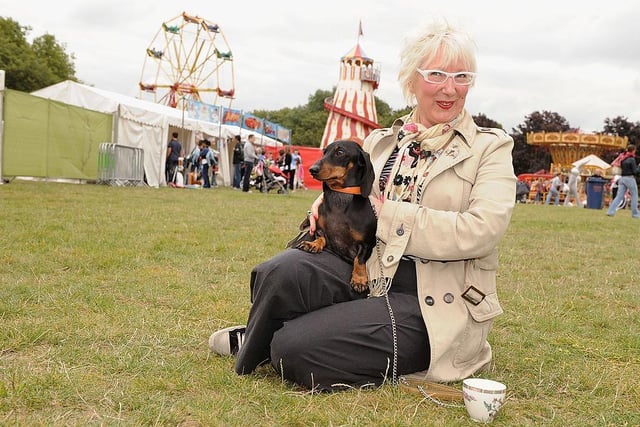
column 359, row 287
column 314, row 247
column 359, row 277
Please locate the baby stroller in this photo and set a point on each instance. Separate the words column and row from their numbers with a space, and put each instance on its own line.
column 267, row 178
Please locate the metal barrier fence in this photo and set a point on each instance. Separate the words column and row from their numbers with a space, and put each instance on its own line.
column 120, row 166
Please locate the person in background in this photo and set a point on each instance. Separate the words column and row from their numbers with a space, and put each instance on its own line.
column 204, row 162
column 522, row 191
column 192, row 160
column 250, row 158
column 298, row 181
column 281, row 159
column 539, row 186
column 174, row 152
column 295, row 157
column 444, row 194
column 627, row 181
column 238, row 160
column 287, row 158
column 554, row 189
column 268, row 161
column 213, row 165
column 574, row 178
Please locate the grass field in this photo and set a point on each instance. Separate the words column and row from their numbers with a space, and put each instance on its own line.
column 108, row 296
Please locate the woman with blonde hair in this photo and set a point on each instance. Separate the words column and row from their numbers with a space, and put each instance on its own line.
column 443, row 195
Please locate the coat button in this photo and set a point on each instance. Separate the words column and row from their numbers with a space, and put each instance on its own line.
column 390, row 258
column 429, row 300
column 448, row 298
column 400, row 231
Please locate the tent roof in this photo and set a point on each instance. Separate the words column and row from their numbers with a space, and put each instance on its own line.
column 95, row 99
column 593, row 161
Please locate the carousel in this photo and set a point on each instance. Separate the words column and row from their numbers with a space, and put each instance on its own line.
column 569, row 148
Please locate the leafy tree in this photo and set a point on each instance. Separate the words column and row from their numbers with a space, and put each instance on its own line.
column 485, row 122
column 306, row 122
column 532, row 158
column 620, row 126
column 31, row 67
column 53, row 54
column 623, row 127
column 385, row 113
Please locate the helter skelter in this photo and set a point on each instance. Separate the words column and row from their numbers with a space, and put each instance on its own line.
column 352, row 109
column 188, row 59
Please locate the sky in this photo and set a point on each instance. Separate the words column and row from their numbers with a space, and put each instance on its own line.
column 580, row 59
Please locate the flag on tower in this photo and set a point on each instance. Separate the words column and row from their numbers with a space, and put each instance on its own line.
column 360, row 33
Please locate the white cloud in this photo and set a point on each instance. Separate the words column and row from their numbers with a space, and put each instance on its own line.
column 580, row 59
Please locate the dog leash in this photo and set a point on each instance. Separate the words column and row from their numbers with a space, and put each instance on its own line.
column 385, row 284
column 436, row 393
column 440, row 394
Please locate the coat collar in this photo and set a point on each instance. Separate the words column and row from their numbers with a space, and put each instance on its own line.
column 466, row 128
column 455, row 152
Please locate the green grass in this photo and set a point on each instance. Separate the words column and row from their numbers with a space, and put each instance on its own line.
column 108, row 296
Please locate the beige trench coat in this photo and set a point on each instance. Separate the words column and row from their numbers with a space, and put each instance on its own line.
column 468, row 198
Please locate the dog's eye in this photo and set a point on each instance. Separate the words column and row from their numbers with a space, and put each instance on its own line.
column 339, row 152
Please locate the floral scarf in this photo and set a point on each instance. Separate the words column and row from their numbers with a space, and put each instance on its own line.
column 418, row 148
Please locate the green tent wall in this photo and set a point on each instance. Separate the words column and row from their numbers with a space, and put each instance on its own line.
column 49, row 139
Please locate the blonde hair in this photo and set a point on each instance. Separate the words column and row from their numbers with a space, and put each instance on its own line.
column 438, row 38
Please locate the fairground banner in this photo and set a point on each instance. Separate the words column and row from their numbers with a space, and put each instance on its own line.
column 270, row 129
column 231, row 117
column 252, row 123
column 284, row 134
column 227, row 116
column 201, row 111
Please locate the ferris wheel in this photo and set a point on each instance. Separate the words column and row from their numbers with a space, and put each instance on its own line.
column 189, row 59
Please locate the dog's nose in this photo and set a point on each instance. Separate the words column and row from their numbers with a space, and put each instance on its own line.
column 314, row 170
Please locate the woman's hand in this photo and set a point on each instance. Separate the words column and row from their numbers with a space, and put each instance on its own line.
column 313, row 213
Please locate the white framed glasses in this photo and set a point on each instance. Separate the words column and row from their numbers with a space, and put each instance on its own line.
column 462, row 78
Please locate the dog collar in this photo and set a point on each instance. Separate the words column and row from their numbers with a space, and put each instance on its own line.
column 348, row 190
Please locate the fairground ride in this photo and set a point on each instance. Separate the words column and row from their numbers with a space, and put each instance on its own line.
column 568, row 147
column 188, row 59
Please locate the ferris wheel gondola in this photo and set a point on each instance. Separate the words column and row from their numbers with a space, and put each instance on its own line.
column 189, row 59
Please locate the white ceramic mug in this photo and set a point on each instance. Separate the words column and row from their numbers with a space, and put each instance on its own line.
column 483, row 398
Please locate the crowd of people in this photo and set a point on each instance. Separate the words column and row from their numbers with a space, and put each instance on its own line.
column 246, row 156
column 203, row 161
column 619, row 192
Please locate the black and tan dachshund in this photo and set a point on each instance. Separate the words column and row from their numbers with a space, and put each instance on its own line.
column 346, row 223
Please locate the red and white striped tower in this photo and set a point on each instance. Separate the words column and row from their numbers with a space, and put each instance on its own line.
column 352, row 110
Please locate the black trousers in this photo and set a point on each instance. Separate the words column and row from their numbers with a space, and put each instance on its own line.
column 246, row 178
column 318, row 333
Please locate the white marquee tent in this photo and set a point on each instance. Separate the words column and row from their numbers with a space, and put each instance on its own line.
column 593, row 161
column 146, row 125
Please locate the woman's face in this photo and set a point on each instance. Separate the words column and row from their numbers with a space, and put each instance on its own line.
column 439, row 103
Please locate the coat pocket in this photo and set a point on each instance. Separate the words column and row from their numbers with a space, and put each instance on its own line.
column 482, row 308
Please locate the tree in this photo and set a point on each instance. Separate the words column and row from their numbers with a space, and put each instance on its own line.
column 531, row 158
column 620, row 126
column 623, row 127
column 31, row 67
column 485, row 122
column 53, row 55
column 306, row 122
column 385, row 114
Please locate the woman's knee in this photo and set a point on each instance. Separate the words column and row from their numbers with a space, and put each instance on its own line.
column 289, row 351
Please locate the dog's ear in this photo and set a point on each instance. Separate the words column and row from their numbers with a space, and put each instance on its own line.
column 368, row 174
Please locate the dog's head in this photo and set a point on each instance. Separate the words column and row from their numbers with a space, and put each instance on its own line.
column 344, row 164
